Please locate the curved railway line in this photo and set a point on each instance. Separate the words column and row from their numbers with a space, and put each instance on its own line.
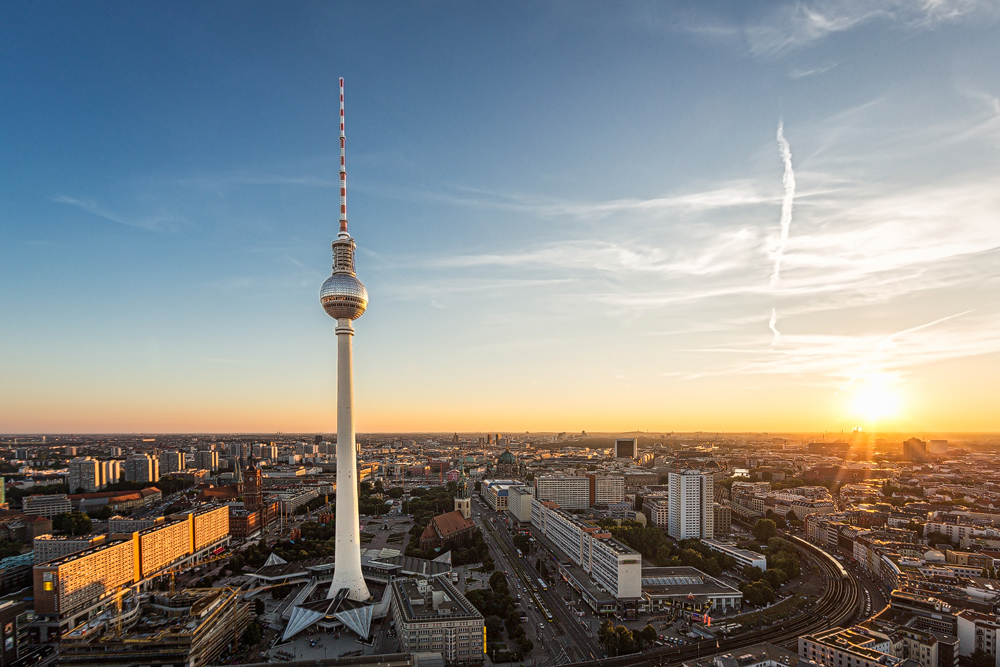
column 837, row 607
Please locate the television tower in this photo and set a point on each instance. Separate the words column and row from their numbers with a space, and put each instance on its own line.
column 344, row 298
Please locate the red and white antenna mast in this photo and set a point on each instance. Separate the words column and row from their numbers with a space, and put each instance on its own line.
column 343, row 165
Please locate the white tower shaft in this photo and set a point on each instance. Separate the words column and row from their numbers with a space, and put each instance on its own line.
column 347, row 571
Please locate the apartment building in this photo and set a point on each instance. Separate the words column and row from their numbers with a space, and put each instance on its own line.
column 51, row 547
column 606, row 489
column 69, row 588
column 432, row 615
column 610, row 564
column 850, row 647
column 722, row 518
column 978, row 632
column 84, row 473
column 657, row 510
column 142, row 468
column 692, row 501
column 207, row 460
column 519, row 503
column 171, row 461
column 66, row 589
column 568, row 491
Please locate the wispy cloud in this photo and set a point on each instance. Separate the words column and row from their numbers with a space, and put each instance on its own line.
column 729, row 195
column 797, row 24
column 773, row 325
column 788, row 182
column 152, row 223
column 803, row 72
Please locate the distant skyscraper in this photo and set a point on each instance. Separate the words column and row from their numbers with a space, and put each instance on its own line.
column 344, row 298
column 691, row 505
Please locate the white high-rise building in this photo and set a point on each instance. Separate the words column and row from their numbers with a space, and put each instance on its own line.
column 691, row 505
column 344, row 298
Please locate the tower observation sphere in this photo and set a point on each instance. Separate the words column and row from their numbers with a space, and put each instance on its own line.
column 343, row 296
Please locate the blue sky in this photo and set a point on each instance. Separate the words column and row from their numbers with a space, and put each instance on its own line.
column 568, row 215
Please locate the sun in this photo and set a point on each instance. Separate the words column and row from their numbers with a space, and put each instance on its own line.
column 876, row 399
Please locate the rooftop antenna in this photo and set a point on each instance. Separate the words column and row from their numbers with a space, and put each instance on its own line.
column 343, row 166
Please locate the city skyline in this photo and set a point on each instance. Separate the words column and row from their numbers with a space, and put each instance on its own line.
column 775, row 218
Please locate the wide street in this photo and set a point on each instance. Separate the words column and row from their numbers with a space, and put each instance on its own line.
column 564, row 639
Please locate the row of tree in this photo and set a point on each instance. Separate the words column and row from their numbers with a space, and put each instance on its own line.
column 619, row 640
column 500, row 613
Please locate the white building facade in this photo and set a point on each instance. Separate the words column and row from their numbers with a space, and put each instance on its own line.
column 692, row 494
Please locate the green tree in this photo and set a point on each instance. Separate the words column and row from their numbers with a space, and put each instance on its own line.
column 758, row 593
column 626, row 643
column 764, row 530
column 72, row 523
column 649, row 634
column 395, row 492
column 608, row 638
column 494, row 628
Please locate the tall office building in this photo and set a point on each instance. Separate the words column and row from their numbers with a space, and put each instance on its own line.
column 692, row 514
column 344, row 298
column 84, row 473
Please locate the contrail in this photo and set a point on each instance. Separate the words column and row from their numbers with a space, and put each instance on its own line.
column 788, row 180
column 773, row 325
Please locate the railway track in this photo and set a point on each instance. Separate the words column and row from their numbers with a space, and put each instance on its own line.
column 837, row 607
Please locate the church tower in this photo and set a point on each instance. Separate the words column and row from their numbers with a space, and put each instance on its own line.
column 463, row 503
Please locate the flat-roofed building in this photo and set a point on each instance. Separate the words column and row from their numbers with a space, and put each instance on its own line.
column 66, row 589
column 853, row 647
column 519, row 503
column 171, row 461
column 568, row 491
column 210, row 526
column 723, row 519
column 84, row 473
column 207, row 460
column 48, row 506
column 432, row 615
column 687, row 588
column 743, row 557
column 51, row 547
column 692, row 503
column 610, row 564
column 606, row 489
column 657, row 510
